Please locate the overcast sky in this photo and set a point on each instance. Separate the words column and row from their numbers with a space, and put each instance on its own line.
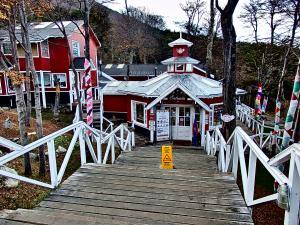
column 171, row 11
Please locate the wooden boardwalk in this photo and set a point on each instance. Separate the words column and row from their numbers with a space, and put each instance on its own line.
column 136, row 191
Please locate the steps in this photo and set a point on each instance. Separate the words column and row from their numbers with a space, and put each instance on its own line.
column 136, row 191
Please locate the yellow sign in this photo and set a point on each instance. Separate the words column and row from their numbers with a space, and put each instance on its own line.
column 166, row 157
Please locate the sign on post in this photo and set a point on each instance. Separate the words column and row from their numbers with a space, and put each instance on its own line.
column 166, row 157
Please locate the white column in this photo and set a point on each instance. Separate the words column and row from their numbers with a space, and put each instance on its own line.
column 202, row 126
column 151, row 130
column 43, row 89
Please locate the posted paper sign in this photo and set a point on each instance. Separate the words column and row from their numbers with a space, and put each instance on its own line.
column 163, row 125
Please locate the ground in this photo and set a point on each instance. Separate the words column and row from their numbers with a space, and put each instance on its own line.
column 27, row 195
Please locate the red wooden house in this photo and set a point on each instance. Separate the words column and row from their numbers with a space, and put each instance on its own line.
column 51, row 59
column 179, row 104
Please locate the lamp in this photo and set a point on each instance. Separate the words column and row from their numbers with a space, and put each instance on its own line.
column 283, row 197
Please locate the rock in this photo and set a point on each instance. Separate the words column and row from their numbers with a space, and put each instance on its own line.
column 61, row 149
column 1, row 110
column 5, row 108
column 33, row 156
column 9, row 182
column 15, row 139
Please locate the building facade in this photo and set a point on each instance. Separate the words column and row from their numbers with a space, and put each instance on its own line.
column 51, row 59
column 178, row 104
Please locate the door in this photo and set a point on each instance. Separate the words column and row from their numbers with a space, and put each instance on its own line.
column 180, row 122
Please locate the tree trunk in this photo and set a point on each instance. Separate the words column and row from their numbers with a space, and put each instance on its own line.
column 86, row 24
column 20, row 102
column 229, row 70
column 296, row 135
column 209, row 54
column 57, row 99
column 37, row 98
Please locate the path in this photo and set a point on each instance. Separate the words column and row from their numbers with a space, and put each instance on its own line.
column 136, row 191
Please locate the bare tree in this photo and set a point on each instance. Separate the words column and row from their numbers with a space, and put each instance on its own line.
column 210, row 35
column 194, row 10
column 229, row 73
column 8, row 15
column 251, row 14
column 37, row 100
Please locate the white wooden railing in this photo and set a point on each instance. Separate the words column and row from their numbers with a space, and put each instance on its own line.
column 87, row 137
column 260, row 135
column 231, row 156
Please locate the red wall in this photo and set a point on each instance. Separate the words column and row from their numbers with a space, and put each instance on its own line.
column 184, row 54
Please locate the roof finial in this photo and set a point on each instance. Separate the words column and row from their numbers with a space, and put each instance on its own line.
column 180, row 34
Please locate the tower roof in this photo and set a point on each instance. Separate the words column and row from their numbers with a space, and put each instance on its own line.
column 180, row 41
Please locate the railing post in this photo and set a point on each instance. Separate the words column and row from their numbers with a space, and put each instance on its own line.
column 99, row 150
column 52, row 162
column 129, row 141
column 82, row 146
column 235, row 153
column 293, row 215
column 133, row 136
column 113, row 156
column 122, row 136
column 251, row 177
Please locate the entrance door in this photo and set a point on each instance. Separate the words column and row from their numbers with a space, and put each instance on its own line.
column 180, row 122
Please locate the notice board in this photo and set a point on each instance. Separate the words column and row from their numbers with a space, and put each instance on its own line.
column 163, row 125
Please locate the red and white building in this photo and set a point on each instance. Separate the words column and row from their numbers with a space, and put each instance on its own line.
column 51, row 59
column 192, row 101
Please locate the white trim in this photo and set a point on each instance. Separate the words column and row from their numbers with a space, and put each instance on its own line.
column 170, row 90
column 133, row 103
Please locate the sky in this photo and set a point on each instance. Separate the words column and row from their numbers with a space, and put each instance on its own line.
column 171, row 11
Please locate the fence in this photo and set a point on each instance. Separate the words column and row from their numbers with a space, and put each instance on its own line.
column 231, row 156
column 120, row 136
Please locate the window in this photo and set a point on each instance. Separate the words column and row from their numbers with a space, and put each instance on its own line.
column 7, row 48
column 45, row 49
column 61, row 77
column 34, row 48
column 198, row 117
column 179, row 68
column 139, row 114
column 47, row 79
column 76, row 49
column 215, row 115
column 184, row 116
column 10, row 86
column 189, row 68
column 172, row 111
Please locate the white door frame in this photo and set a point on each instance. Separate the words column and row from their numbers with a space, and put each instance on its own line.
column 192, row 117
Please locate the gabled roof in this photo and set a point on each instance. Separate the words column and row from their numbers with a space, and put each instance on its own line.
column 180, row 41
column 40, row 31
column 197, row 86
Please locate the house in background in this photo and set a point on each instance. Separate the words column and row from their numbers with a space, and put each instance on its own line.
column 140, row 72
column 51, row 59
column 178, row 104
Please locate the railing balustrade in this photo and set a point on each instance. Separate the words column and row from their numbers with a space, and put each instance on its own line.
column 233, row 155
column 82, row 134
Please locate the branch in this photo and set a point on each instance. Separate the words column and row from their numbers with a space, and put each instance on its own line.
column 218, row 6
column 81, row 32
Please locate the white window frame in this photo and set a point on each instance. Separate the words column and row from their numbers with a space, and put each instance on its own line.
column 176, row 70
column 52, row 75
column 78, row 46
column 1, row 90
column 34, row 56
column 42, row 49
column 39, row 78
column 212, row 115
column 133, row 110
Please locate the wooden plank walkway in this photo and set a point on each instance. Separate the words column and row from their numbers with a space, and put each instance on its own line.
column 136, row 191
